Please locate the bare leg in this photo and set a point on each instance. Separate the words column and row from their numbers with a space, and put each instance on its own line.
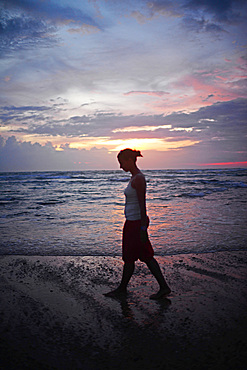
column 127, row 273
column 128, row 270
column 156, row 271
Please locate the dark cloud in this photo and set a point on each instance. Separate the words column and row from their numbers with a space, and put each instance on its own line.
column 51, row 11
column 224, row 11
column 208, row 97
column 29, row 24
column 67, row 130
column 201, row 24
column 209, row 16
column 22, row 32
column 21, row 114
column 25, row 108
column 226, row 113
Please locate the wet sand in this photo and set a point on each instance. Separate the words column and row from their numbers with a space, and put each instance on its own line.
column 53, row 314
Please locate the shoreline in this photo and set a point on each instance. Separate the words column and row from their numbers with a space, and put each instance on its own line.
column 54, row 314
column 119, row 255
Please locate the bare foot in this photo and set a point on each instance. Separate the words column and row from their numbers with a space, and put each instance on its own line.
column 119, row 292
column 163, row 292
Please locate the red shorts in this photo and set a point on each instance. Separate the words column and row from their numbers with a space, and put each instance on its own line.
column 132, row 247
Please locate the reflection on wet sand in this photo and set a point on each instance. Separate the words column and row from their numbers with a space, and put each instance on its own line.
column 129, row 307
column 54, row 314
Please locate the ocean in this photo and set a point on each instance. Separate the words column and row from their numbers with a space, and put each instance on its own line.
column 82, row 212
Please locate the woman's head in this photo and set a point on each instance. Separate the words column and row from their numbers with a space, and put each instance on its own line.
column 127, row 159
column 129, row 154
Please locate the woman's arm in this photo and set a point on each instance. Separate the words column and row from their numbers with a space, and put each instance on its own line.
column 140, row 185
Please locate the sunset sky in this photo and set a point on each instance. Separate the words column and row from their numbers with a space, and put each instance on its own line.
column 81, row 80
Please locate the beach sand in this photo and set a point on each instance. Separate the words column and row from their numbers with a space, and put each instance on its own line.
column 54, row 314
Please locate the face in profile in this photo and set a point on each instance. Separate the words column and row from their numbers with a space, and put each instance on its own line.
column 125, row 164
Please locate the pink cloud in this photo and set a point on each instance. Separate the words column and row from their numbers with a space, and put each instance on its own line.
column 195, row 91
column 239, row 77
column 241, row 61
column 222, row 78
column 7, row 78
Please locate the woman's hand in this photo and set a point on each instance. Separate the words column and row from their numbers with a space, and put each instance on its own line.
column 144, row 235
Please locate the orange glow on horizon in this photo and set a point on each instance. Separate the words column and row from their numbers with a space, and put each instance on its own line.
column 224, row 164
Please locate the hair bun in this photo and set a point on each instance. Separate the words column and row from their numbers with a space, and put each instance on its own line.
column 138, row 153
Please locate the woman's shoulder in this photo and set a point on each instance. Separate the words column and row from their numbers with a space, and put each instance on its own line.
column 140, row 174
column 139, row 179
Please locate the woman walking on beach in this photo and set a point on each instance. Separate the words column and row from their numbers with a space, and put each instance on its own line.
column 136, row 244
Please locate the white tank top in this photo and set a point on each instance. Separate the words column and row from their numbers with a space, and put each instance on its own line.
column 132, row 208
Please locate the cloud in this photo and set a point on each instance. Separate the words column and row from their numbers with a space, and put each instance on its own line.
column 7, row 78
column 25, row 108
column 165, row 8
column 196, row 16
column 21, row 115
column 126, row 81
column 50, row 10
column 149, row 93
column 22, row 32
column 207, row 16
column 85, row 29
column 30, row 24
column 25, row 156
column 203, row 88
column 223, row 122
column 212, row 134
column 225, row 11
column 201, row 25
column 140, row 128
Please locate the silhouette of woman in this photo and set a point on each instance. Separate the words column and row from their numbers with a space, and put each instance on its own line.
column 136, row 244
